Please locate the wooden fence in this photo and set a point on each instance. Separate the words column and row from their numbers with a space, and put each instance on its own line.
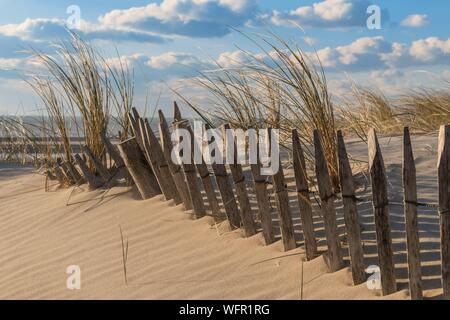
column 149, row 165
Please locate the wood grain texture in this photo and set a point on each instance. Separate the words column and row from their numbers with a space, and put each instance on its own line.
column 175, row 169
column 411, row 223
column 303, row 196
column 444, row 205
column 350, row 214
column 327, row 206
column 381, row 213
column 138, row 168
column 241, row 192
column 263, row 202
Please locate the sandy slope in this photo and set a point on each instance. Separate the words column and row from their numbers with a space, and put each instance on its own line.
column 172, row 256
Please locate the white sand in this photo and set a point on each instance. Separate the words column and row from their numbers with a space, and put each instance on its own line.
column 174, row 257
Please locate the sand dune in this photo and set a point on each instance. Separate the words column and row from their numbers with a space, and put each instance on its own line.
column 171, row 256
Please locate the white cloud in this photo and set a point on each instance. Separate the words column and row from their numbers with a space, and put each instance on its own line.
column 415, row 20
column 333, row 14
column 193, row 18
column 38, row 30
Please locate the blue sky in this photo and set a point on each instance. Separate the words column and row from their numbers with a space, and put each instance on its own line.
column 166, row 41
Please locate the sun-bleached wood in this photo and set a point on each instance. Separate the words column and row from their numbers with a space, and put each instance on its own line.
column 138, row 168
column 112, row 151
column 444, row 205
column 242, row 193
column 92, row 180
column 71, row 180
column 350, row 214
column 134, row 121
column 99, row 167
column 381, row 213
column 327, row 205
column 190, row 172
column 304, row 201
column 158, row 162
column 175, row 169
column 227, row 195
column 263, row 202
column 205, row 176
column 411, row 222
column 74, row 173
column 282, row 203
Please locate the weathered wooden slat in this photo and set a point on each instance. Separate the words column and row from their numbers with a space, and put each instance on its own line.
column 176, row 112
column 263, row 202
column 74, row 173
column 93, row 181
column 303, row 195
column 190, row 172
column 381, row 213
column 99, row 167
column 175, row 169
column 327, row 205
column 112, row 151
column 351, row 214
column 59, row 174
column 134, row 121
column 444, row 205
column 411, row 223
column 227, row 194
column 69, row 177
column 241, row 191
column 282, row 203
column 138, row 168
column 158, row 162
column 205, row 175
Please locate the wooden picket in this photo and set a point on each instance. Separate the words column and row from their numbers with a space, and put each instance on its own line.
column 175, row 169
column 411, row 223
column 350, row 213
column 444, row 205
column 241, row 192
column 327, row 206
column 303, row 196
column 381, row 214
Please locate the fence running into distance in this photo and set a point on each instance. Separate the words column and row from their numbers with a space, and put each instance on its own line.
column 146, row 161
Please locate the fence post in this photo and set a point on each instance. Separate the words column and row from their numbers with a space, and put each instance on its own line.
column 134, row 121
column 444, row 204
column 262, row 199
column 381, row 213
column 411, row 223
column 304, row 201
column 93, row 181
column 97, row 164
column 176, row 112
column 282, row 202
column 327, row 205
column 204, row 174
column 158, row 162
column 138, row 168
column 175, row 169
column 241, row 190
column 112, row 151
column 190, row 173
column 350, row 213
column 227, row 194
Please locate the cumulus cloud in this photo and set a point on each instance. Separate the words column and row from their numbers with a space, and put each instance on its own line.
column 415, row 20
column 193, row 18
column 38, row 30
column 326, row 14
column 377, row 53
